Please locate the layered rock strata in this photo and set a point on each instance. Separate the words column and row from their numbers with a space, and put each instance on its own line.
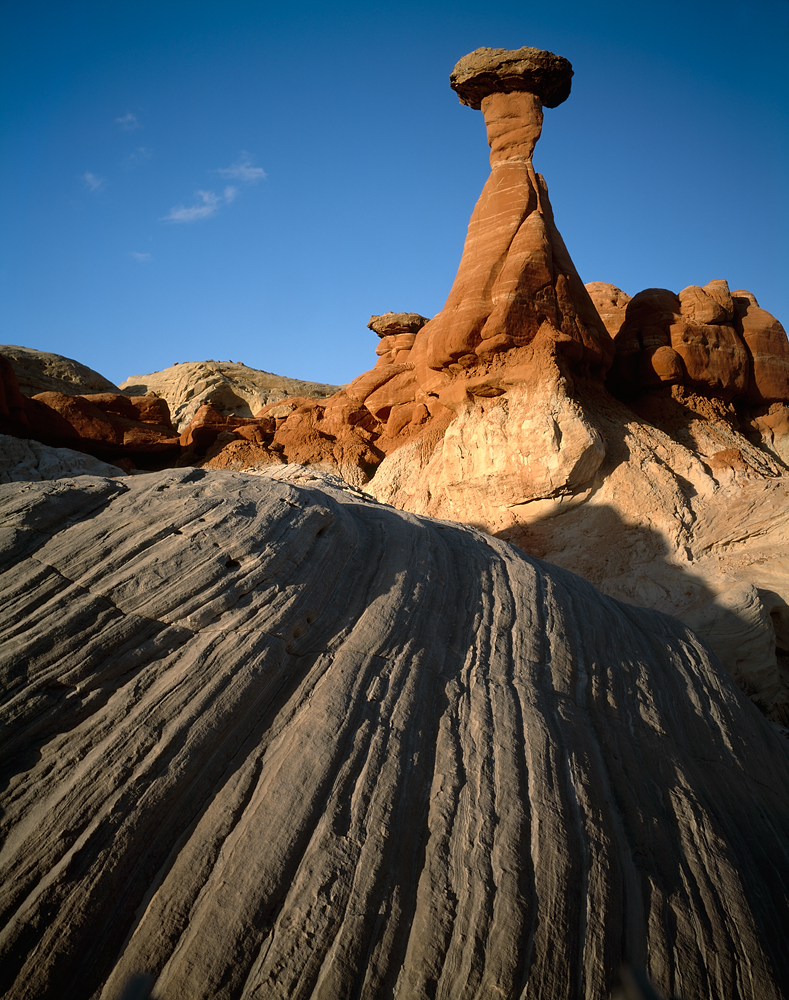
column 231, row 388
column 109, row 426
column 517, row 314
column 398, row 333
column 532, row 434
column 271, row 740
column 515, row 277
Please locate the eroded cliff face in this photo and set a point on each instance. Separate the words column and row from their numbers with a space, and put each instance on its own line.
column 271, row 738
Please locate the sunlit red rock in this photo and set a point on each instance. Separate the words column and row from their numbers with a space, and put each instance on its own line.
column 113, row 425
column 703, row 338
column 515, row 274
column 611, row 304
column 767, row 344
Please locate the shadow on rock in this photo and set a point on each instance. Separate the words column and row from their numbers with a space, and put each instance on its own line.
column 746, row 626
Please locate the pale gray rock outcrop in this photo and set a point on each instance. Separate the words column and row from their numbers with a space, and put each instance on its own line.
column 233, row 388
column 41, row 371
column 265, row 740
column 23, row 460
column 651, row 519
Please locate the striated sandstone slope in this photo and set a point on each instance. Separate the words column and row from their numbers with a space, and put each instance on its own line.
column 268, row 740
column 231, row 387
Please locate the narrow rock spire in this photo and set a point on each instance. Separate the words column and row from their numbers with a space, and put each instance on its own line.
column 515, row 277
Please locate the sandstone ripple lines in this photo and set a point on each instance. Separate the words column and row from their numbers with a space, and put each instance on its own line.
column 272, row 740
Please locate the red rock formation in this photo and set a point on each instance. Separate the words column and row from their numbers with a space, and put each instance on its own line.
column 706, row 339
column 766, row 342
column 611, row 304
column 335, row 433
column 516, row 310
column 397, row 332
column 208, row 423
column 31, row 418
column 13, row 411
column 110, row 426
column 515, row 275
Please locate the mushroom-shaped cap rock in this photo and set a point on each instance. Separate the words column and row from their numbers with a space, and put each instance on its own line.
column 491, row 71
column 391, row 323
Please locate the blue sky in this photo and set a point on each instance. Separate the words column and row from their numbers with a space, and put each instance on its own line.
column 250, row 181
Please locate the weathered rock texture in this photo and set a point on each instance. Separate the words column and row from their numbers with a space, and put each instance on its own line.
column 273, row 741
column 516, row 432
column 488, row 71
column 517, row 314
column 29, row 461
column 708, row 339
column 496, row 411
column 230, row 387
column 40, row 371
column 515, row 278
column 631, row 502
column 110, row 425
column 611, row 303
column 336, row 435
column 397, row 332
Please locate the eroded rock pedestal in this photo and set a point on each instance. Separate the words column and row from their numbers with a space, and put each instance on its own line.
column 515, row 277
column 492, row 372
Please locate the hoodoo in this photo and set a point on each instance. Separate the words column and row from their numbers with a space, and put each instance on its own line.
column 262, row 736
column 515, row 277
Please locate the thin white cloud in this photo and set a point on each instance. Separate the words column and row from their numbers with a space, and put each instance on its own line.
column 139, row 155
column 128, row 122
column 143, row 258
column 209, row 204
column 92, row 182
column 242, row 170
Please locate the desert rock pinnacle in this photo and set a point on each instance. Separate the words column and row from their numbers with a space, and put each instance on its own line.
column 515, row 277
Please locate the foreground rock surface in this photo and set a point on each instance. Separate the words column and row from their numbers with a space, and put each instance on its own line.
column 271, row 740
column 23, row 461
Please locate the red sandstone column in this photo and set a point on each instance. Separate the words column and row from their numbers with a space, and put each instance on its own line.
column 515, row 275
